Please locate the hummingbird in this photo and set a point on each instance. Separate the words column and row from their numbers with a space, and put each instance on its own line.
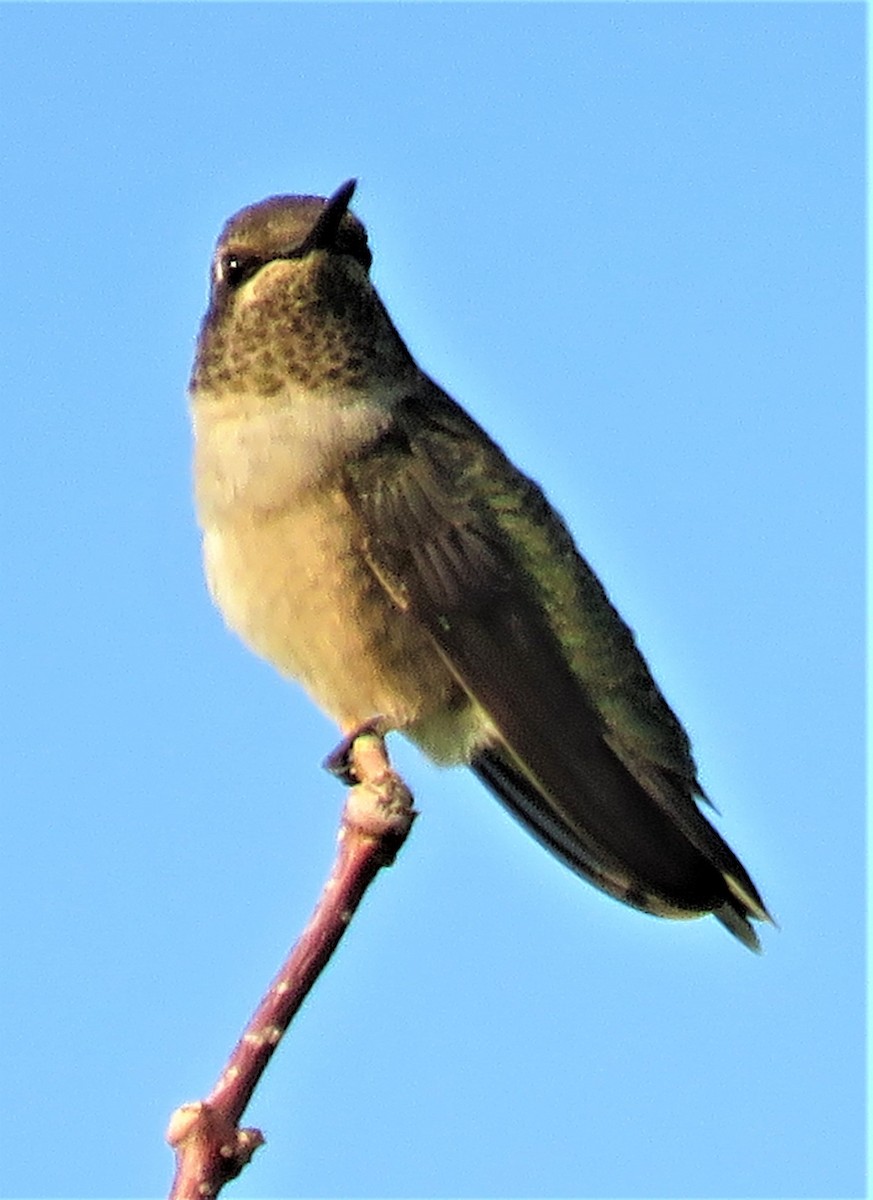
column 368, row 538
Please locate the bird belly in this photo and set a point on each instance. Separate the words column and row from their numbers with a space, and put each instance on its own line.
column 296, row 586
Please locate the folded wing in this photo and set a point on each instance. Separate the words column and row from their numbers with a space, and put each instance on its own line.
column 585, row 751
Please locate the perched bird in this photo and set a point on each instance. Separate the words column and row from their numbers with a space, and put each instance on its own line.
column 367, row 537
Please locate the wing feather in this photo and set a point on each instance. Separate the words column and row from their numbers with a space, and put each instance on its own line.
column 586, row 751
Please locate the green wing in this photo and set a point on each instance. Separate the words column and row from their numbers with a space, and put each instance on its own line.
column 586, row 751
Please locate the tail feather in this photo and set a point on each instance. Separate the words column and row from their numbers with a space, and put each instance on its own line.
column 705, row 885
column 736, row 921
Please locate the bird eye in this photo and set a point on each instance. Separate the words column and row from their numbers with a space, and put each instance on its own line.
column 233, row 269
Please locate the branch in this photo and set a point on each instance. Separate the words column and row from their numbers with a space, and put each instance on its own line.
column 210, row 1147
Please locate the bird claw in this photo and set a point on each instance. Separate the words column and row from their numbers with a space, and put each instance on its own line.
column 341, row 761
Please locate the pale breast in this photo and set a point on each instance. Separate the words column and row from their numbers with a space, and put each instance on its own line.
column 295, row 585
column 285, row 561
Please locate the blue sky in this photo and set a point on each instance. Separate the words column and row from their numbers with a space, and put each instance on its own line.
column 629, row 238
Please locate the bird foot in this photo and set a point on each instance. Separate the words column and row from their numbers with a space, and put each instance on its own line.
column 343, row 761
column 379, row 804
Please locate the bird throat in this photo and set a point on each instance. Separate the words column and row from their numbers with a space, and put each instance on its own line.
column 316, row 323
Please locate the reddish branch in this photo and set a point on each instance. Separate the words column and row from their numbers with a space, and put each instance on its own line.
column 210, row 1147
